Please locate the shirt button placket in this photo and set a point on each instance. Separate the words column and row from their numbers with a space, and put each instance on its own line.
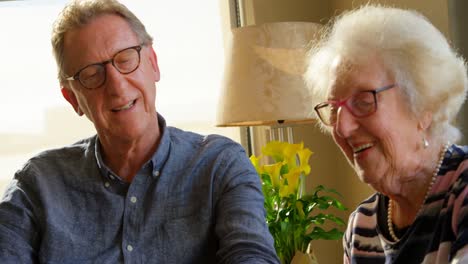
column 130, row 227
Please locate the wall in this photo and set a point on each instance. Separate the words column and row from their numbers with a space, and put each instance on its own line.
column 329, row 166
column 265, row 11
column 458, row 20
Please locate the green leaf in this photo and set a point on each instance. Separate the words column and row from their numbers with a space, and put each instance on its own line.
column 319, row 233
column 284, row 169
column 339, row 205
column 322, row 188
column 266, row 179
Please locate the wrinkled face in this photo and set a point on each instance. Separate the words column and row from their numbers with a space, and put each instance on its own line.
column 124, row 106
column 381, row 147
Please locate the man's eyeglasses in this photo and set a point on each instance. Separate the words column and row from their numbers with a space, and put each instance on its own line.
column 94, row 76
column 361, row 104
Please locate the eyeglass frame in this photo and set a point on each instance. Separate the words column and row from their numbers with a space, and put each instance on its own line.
column 76, row 76
column 343, row 102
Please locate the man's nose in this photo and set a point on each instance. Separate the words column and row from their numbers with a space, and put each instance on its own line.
column 115, row 81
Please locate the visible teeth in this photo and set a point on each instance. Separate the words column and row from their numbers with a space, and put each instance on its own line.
column 125, row 107
column 362, row 147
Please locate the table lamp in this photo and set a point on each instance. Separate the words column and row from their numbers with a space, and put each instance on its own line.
column 263, row 82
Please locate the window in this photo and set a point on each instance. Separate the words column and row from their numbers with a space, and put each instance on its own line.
column 33, row 114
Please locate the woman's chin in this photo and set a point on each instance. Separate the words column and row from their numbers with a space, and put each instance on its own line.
column 367, row 178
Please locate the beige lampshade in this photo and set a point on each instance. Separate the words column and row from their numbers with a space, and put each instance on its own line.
column 263, row 82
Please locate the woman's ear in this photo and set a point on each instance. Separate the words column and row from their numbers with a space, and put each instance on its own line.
column 425, row 121
column 69, row 95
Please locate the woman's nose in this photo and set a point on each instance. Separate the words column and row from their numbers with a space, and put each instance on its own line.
column 346, row 123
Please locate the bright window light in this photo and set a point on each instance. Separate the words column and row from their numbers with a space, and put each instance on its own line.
column 34, row 116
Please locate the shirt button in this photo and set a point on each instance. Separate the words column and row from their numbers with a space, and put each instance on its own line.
column 133, row 199
column 107, row 184
column 156, row 173
column 130, row 248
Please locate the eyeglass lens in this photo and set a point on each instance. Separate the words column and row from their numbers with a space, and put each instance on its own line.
column 360, row 105
column 125, row 61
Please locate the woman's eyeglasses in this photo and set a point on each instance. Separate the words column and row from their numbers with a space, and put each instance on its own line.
column 361, row 104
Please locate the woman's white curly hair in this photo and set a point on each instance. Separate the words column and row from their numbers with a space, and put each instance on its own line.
column 429, row 72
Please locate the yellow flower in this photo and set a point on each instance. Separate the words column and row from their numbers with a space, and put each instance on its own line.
column 289, row 153
column 255, row 163
column 290, row 182
column 283, row 151
column 275, row 149
column 273, row 171
column 304, row 155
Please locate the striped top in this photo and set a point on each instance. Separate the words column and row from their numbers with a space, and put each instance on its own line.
column 438, row 235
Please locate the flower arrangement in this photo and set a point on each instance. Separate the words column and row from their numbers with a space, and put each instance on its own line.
column 289, row 210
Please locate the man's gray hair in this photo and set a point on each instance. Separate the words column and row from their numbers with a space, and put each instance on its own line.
column 79, row 13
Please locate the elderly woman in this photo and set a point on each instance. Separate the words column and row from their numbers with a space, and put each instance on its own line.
column 391, row 87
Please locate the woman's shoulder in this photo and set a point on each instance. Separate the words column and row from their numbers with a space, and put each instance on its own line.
column 457, row 204
column 454, row 169
column 362, row 235
column 454, row 157
column 366, row 210
column 370, row 203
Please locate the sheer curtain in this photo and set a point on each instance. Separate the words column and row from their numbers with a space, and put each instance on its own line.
column 33, row 114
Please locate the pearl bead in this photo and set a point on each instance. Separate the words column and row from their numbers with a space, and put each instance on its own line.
column 434, row 178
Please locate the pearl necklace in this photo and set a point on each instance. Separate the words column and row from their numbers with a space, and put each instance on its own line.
column 434, row 177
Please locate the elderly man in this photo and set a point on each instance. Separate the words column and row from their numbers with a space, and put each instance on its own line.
column 138, row 191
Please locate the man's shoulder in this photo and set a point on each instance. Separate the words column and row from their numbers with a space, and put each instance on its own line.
column 81, row 147
column 62, row 156
column 201, row 141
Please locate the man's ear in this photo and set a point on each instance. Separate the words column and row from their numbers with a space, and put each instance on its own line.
column 154, row 64
column 69, row 95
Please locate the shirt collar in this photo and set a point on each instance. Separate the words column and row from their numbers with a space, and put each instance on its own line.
column 157, row 161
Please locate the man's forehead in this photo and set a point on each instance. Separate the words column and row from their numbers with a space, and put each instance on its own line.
column 106, row 27
column 98, row 40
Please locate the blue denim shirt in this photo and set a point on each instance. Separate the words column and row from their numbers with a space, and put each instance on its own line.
column 198, row 200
